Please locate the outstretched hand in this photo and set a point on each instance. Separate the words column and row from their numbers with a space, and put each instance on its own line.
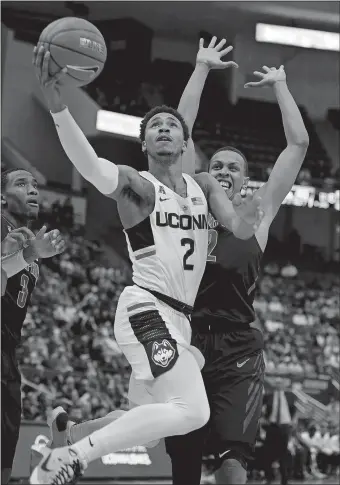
column 47, row 245
column 248, row 209
column 211, row 55
column 268, row 78
column 40, row 61
column 50, row 85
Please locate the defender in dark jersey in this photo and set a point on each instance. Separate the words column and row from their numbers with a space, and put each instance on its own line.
column 20, row 206
column 224, row 313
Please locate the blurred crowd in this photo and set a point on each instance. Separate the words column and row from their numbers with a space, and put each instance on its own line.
column 69, row 356
column 300, row 316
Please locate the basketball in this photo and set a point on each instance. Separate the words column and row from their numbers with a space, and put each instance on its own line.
column 76, row 44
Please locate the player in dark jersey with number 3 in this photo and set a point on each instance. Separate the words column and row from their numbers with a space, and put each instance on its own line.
column 19, row 202
column 233, row 350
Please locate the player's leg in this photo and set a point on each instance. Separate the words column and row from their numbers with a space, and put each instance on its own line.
column 186, row 452
column 174, row 382
column 138, row 395
column 180, row 406
column 10, row 426
column 65, row 432
column 236, row 405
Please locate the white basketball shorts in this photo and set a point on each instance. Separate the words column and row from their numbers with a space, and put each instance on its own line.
column 151, row 334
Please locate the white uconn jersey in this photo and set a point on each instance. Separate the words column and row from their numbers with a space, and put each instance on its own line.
column 168, row 249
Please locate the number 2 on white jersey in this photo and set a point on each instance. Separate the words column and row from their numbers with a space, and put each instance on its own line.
column 184, row 242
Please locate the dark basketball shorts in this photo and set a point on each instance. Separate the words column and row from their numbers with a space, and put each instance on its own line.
column 10, row 407
column 10, row 421
column 233, row 375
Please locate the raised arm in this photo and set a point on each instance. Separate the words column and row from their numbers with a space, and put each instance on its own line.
column 289, row 162
column 207, row 58
column 107, row 177
column 240, row 216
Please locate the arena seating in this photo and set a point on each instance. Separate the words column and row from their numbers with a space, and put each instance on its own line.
column 219, row 123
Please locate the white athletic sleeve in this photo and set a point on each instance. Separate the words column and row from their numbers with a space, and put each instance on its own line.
column 13, row 263
column 99, row 171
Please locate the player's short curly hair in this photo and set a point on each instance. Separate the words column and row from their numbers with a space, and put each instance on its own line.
column 232, row 149
column 5, row 174
column 163, row 109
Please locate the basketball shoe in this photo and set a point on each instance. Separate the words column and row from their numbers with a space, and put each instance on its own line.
column 60, row 466
column 60, row 426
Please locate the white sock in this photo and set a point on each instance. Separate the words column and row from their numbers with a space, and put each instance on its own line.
column 81, row 430
column 137, row 426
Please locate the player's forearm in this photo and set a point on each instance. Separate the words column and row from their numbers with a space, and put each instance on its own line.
column 100, row 172
column 190, row 100
column 295, row 130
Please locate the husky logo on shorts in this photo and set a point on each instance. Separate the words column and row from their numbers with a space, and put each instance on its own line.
column 162, row 353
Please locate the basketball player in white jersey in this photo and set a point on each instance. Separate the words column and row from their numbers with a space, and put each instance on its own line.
column 164, row 215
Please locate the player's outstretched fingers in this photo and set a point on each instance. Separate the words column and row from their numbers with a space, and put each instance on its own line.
column 57, row 77
column 220, row 44
column 41, row 233
column 60, row 247
column 226, row 50
column 259, row 74
column 34, row 56
column 57, row 240
column 40, row 57
column 201, row 43
column 213, row 42
column 45, row 77
column 230, row 64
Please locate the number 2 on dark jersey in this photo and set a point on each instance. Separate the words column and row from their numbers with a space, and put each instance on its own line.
column 213, row 235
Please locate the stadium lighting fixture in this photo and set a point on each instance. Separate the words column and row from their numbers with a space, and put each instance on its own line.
column 118, row 123
column 293, row 36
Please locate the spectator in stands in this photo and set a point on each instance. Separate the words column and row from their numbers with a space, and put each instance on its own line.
column 311, row 438
column 279, row 411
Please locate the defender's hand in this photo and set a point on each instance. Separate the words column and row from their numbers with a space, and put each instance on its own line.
column 16, row 240
column 248, row 209
column 49, row 84
column 211, row 55
column 268, row 78
column 47, row 245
